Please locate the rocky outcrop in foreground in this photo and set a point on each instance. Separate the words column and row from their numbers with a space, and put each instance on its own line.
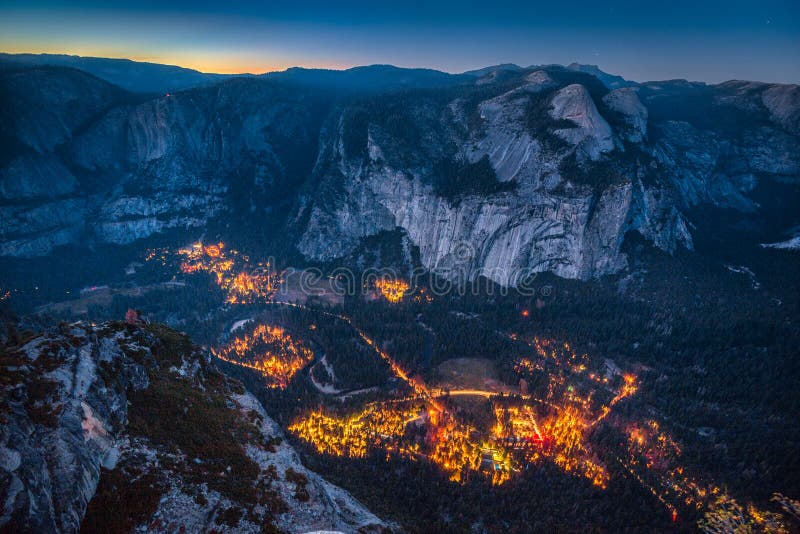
column 115, row 427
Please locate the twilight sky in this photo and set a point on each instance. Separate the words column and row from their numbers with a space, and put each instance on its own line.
column 707, row 40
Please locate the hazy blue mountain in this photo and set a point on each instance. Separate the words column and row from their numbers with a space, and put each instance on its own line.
column 371, row 78
column 511, row 67
column 612, row 81
column 136, row 76
column 143, row 77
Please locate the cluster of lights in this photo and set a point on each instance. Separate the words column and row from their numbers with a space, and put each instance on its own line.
column 457, row 451
column 270, row 351
column 570, row 379
column 377, row 425
column 629, row 387
column 393, row 290
column 653, row 459
column 561, row 439
column 160, row 255
column 457, row 448
column 423, row 296
column 726, row 515
column 554, row 423
column 569, row 452
column 447, row 443
column 527, row 365
column 242, row 280
column 560, row 354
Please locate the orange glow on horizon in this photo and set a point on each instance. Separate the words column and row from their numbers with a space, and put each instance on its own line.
column 229, row 63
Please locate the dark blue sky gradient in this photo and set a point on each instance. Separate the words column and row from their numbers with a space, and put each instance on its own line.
column 699, row 40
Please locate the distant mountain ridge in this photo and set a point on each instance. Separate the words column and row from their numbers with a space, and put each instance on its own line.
column 156, row 78
column 369, row 78
column 135, row 76
column 509, row 67
column 611, row 81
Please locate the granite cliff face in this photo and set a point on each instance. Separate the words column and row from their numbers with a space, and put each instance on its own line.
column 124, row 167
column 121, row 427
column 588, row 164
column 501, row 172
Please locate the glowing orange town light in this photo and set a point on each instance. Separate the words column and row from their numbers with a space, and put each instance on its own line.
column 392, row 290
column 270, row 351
